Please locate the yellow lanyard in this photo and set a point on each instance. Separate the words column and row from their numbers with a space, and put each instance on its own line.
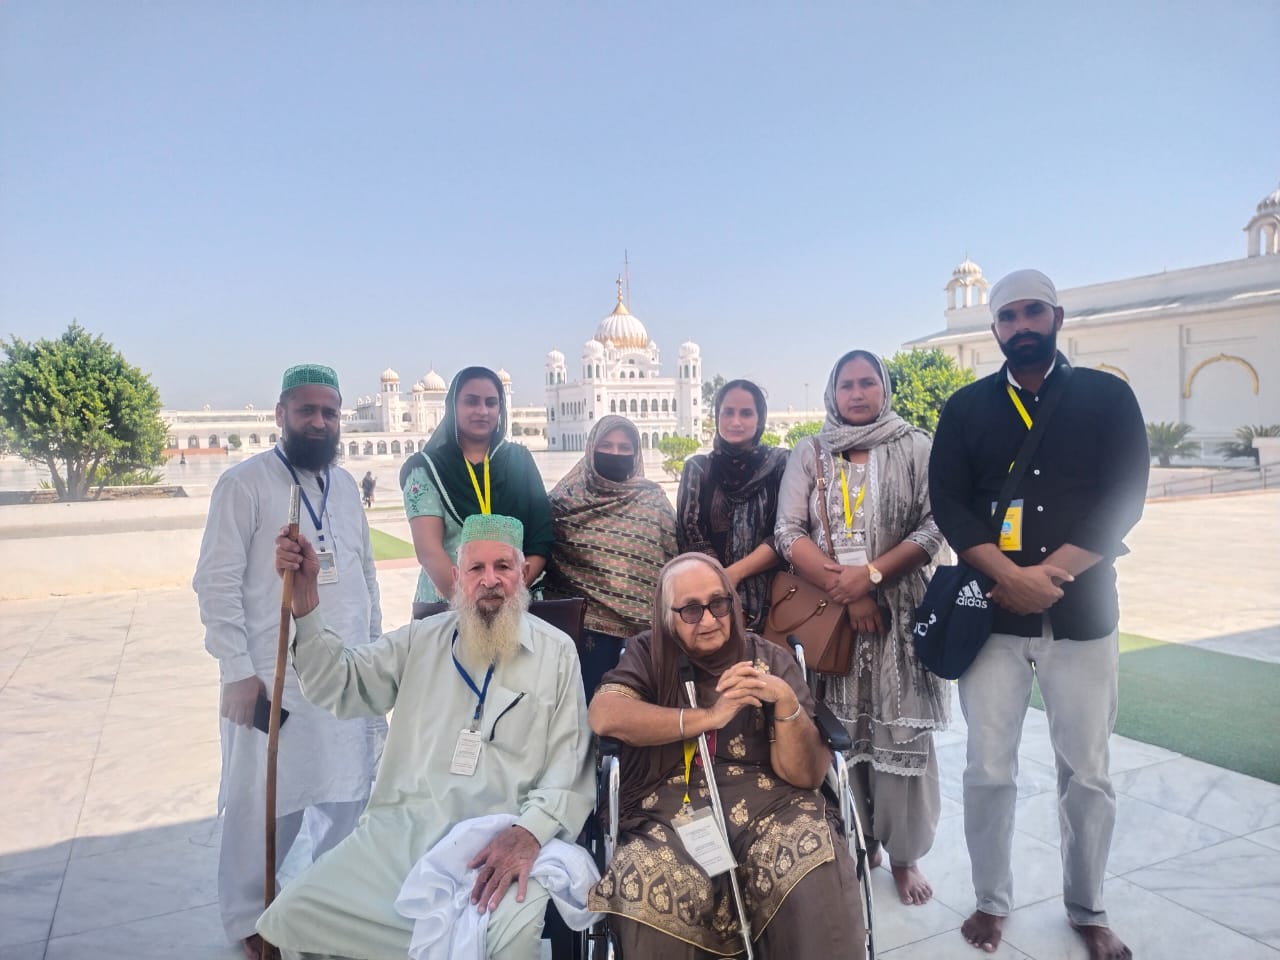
column 1022, row 411
column 689, row 747
column 857, row 504
column 485, row 500
column 1017, row 402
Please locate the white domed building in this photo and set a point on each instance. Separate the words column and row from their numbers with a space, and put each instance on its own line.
column 394, row 410
column 1199, row 345
column 620, row 371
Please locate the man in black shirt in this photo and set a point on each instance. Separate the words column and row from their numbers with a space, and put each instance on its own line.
column 1056, row 612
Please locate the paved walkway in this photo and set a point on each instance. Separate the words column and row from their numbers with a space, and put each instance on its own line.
column 109, row 765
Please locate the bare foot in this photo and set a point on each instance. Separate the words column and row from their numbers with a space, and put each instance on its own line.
column 1102, row 943
column 252, row 946
column 913, row 888
column 874, row 857
column 983, row 930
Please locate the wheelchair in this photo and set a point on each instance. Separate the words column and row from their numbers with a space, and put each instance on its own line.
column 597, row 943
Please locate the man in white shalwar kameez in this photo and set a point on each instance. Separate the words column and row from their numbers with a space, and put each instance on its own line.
column 324, row 763
column 489, row 718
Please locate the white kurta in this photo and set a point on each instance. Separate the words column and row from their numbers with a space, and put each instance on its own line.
column 535, row 763
column 321, row 759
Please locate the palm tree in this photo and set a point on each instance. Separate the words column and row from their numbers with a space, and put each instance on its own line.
column 1242, row 446
column 1168, row 440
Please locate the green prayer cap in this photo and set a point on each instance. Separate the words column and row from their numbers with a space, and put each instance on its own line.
column 305, row 373
column 493, row 526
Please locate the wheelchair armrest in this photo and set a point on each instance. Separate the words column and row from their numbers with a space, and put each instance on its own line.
column 609, row 747
column 832, row 730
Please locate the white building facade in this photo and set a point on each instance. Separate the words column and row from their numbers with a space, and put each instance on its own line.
column 620, row 371
column 1199, row 345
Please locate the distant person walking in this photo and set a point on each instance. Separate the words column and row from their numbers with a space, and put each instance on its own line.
column 366, row 487
column 324, row 763
column 1056, row 611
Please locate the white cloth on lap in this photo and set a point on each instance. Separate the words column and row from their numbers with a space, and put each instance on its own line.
column 437, row 893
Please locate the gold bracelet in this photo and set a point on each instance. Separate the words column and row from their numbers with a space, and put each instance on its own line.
column 793, row 716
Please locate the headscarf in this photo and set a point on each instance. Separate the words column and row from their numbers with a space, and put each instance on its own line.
column 611, row 537
column 655, row 654
column 739, row 471
column 515, row 488
column 728, row 501
column 837, row 435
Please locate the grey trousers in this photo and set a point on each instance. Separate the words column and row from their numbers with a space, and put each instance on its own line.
column 899, row 813
column 1078, row 682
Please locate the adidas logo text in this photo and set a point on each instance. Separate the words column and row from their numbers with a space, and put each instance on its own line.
column 970, row 595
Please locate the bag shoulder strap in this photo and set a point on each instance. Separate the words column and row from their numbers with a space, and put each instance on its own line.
column 1030, row 443
column 822, row 497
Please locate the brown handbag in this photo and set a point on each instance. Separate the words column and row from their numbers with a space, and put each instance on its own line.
column 798, row 608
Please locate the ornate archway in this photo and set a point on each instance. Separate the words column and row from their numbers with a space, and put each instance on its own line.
column 1253, row 374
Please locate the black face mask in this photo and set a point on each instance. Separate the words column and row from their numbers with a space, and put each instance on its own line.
column 309, row 453
column 614, row 466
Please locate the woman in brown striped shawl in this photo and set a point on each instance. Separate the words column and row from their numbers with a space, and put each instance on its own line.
column 614, row 531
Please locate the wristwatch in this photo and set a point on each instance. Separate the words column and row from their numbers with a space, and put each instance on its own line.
column 875, row 575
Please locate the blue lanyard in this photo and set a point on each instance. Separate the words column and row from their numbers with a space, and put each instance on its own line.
column 480, row 692
column 324, row 497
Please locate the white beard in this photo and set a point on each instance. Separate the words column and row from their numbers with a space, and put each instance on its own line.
column 490, row 638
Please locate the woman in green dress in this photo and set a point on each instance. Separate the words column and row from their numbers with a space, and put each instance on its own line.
column 466, row 467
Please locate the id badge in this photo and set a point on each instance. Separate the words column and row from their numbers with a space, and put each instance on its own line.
column 1011, row 527
column 466, row 753
column 852, row 557
column 703, row 841
column 328, row 566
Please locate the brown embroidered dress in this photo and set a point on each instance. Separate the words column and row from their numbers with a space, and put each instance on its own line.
column 778, row 833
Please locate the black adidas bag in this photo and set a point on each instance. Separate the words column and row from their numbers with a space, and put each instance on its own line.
column 953, row 620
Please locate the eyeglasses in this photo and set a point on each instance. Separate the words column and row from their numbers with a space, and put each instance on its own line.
column 692, row 612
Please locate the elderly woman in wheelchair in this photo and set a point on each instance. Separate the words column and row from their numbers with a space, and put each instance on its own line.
column 672, row 889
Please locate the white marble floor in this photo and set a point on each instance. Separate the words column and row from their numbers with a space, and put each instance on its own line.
column 108, row 846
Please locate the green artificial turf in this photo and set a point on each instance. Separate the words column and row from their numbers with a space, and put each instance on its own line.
column 1218, row 708
column 387, row 547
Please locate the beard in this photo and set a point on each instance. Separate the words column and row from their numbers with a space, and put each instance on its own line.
column 309, row 453
column 490, row 636
column 1030, row 351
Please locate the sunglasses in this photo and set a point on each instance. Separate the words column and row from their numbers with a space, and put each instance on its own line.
column 692, row 612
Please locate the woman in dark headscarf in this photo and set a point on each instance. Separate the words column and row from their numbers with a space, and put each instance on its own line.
column 799, row 885
column 880, row 560
column 469, row 467
column 614, row 530
column 728, row 500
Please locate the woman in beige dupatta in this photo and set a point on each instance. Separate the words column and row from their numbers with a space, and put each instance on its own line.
column 877, row 505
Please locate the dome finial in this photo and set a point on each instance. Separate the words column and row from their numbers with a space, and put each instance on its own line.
column 619, row 281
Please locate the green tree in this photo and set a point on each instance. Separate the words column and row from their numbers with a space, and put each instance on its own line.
column 802, row 430
column 770, row 439
column 709, row 388
column 922, row 381
column 1242, row 446
column 233, row 441
column 1168, row 440
column 675, row 451
column 76, row 406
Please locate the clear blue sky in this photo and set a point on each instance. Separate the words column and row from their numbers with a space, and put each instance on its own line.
column 224, row 188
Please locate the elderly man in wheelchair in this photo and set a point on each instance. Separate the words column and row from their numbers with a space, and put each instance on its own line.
column 752, row 859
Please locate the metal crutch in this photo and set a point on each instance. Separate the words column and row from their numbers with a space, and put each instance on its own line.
column 686, row 677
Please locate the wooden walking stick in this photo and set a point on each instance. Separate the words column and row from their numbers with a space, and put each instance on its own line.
column 273, row 726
